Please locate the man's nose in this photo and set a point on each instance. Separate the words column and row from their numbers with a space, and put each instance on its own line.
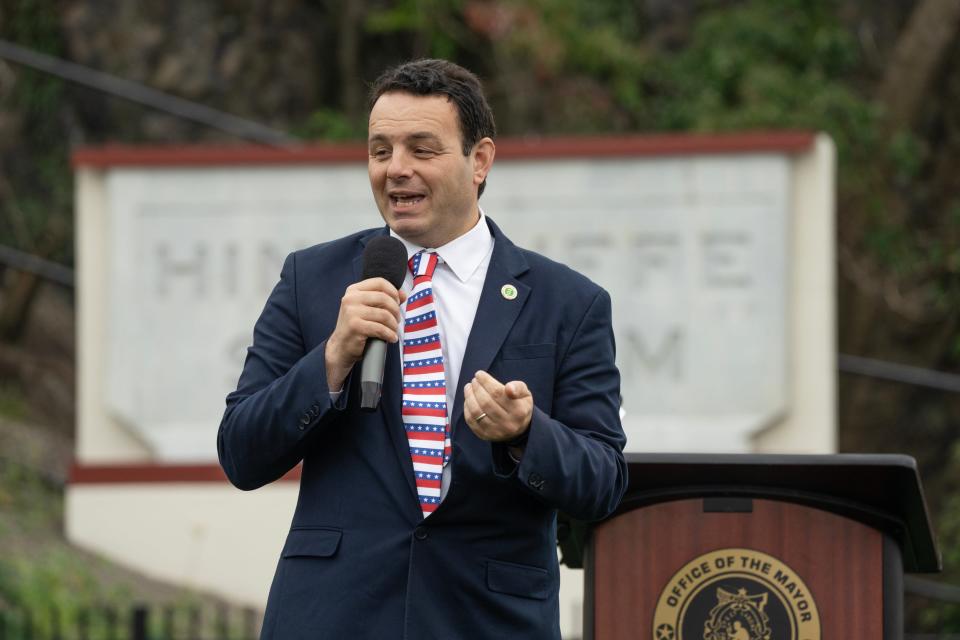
column 399, row 166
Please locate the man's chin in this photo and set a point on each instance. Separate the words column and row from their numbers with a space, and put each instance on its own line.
column 409, row 227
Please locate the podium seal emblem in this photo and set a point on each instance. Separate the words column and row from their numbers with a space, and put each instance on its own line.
column 736, row 594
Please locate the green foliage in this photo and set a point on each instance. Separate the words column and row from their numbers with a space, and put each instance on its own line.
column 22, row 491
column 762, row 65
column 60, row 588
column 12, row 403
column 56, row 582
column 402, row 16
column 58, row 585
column 48, row 582
column 39, row 189
column 944, row 617
column 907, row 154
column 773, row 65
column 431, row 21
column 331, row 125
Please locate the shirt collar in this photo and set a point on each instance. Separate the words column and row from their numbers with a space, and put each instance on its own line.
column 462, row 254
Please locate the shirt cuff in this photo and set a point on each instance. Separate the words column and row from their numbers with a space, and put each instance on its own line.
column 338, row 399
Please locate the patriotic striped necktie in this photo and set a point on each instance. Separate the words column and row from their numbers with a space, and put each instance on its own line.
column 424, row 408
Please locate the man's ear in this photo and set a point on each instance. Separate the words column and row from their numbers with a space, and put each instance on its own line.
column 483, row 153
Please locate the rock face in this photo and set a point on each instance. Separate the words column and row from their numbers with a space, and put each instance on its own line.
column 259, row 60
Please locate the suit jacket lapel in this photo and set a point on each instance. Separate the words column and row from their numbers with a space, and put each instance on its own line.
column 496, row 313
column 390, row 407
column 390, row 400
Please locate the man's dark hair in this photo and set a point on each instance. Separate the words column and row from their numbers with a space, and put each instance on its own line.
column 429, row 77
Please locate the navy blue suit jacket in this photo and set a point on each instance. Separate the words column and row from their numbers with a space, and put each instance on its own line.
column 359, row 560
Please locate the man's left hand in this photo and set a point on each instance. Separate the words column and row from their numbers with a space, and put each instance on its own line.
column 494, row 411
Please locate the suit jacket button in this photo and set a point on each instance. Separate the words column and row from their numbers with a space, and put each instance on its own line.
column 421, row 533
column 535, row 480
column 304, row 420
column 315, row 410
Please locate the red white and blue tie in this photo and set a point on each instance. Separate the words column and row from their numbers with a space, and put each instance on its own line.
column 424, row 408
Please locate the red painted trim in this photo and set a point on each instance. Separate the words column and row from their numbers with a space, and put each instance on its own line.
column 508, row 149
column 659, row 145
column 155, row 473
column 191, row 156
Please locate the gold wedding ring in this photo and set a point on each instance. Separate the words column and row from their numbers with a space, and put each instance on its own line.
column 479, row 418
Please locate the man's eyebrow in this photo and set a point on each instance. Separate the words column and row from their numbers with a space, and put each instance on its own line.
column 423, row 135
column 416, row 136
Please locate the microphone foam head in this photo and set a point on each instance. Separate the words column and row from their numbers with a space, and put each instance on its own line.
column 385, row 257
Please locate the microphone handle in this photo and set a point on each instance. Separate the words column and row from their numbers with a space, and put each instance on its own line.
column 371, row 373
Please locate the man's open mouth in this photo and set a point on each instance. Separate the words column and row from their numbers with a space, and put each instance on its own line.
column 405, row 201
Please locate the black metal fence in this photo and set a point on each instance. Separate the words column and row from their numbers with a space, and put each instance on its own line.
column 137, row 622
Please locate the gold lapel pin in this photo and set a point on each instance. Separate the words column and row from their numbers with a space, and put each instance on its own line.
column 508, row 291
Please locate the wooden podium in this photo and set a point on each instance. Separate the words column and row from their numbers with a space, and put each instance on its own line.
column 755, row 547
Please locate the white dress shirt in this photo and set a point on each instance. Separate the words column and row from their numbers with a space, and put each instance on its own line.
column 457, row 284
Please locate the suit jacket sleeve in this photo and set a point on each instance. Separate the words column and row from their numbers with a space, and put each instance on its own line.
column 573, row 458
column 281, row 398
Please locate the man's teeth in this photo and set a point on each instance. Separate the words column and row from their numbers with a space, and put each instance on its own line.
column 407, row 200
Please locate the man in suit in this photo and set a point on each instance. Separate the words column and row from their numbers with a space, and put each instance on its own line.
column 526, row 387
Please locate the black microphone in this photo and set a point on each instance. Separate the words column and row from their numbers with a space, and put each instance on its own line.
column 385, row 257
